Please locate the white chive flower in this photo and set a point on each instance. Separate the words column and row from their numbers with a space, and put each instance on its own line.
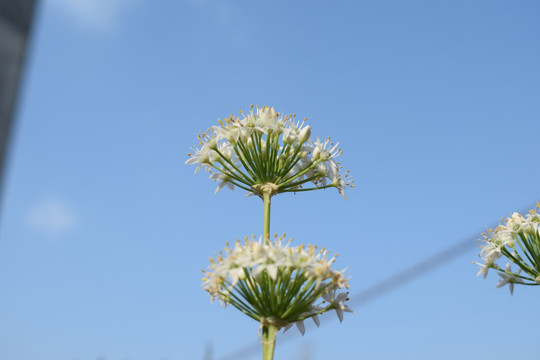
column 517, row 239
column 266, row 148
column 510, row 278
column 337, row 302
column 275, row 283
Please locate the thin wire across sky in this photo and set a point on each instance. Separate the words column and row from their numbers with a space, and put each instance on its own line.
column 391, row 283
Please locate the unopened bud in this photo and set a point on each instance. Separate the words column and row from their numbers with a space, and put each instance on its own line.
column 212, row 144
column 316, row 153
column 245, row 134
column 227, row 153
column 232, row 136
column 325, row 155
column 304, row 134
column 289, row 138
column 323, row 171
column 213, row 157
column 204, row 159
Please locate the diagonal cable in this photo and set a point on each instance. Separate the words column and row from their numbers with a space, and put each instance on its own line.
column 389, row 284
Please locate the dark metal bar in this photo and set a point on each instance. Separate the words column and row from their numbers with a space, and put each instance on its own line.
column 16, row 18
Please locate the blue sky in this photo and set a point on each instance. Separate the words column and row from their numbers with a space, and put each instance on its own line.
column 104, row 229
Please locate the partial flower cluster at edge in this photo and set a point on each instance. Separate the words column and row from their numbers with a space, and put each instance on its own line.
column 275, row 283
column 517, row 239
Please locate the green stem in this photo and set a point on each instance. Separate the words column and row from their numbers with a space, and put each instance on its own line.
column 288, row 167
column 269, row 341
column 266, row 219
column 288, row 180
column 246, row 178
column 301, row 181
column 308, row 189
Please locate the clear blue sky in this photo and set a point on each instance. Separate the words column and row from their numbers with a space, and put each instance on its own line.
column 104, row 230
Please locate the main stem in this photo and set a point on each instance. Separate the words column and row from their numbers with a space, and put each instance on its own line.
column 269, row 341
column 266, row 218
column 268, row 331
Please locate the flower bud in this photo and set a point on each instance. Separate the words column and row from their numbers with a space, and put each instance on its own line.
column 304, row 134
column 203, row 158
column 325, row 155
column 212, row 144
column 245, row 134
column 232, row 136
column 323, row 171
column 213, row 157
column 227, row 153
column 316, row 153
column 527, row 229
column 289, row 138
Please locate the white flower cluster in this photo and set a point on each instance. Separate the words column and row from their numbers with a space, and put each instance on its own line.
column 517, row 238
column 277, row 283
column 264, row 147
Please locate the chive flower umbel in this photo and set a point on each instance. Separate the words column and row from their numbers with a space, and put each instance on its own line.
column 263, row 151
column 275, row 283
column 278, row 285
column 517, row 239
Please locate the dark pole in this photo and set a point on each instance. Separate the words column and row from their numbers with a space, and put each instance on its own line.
column 15, row 25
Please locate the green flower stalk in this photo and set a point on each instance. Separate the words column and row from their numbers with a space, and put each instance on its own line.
column 273, row 283
column 517, row 239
